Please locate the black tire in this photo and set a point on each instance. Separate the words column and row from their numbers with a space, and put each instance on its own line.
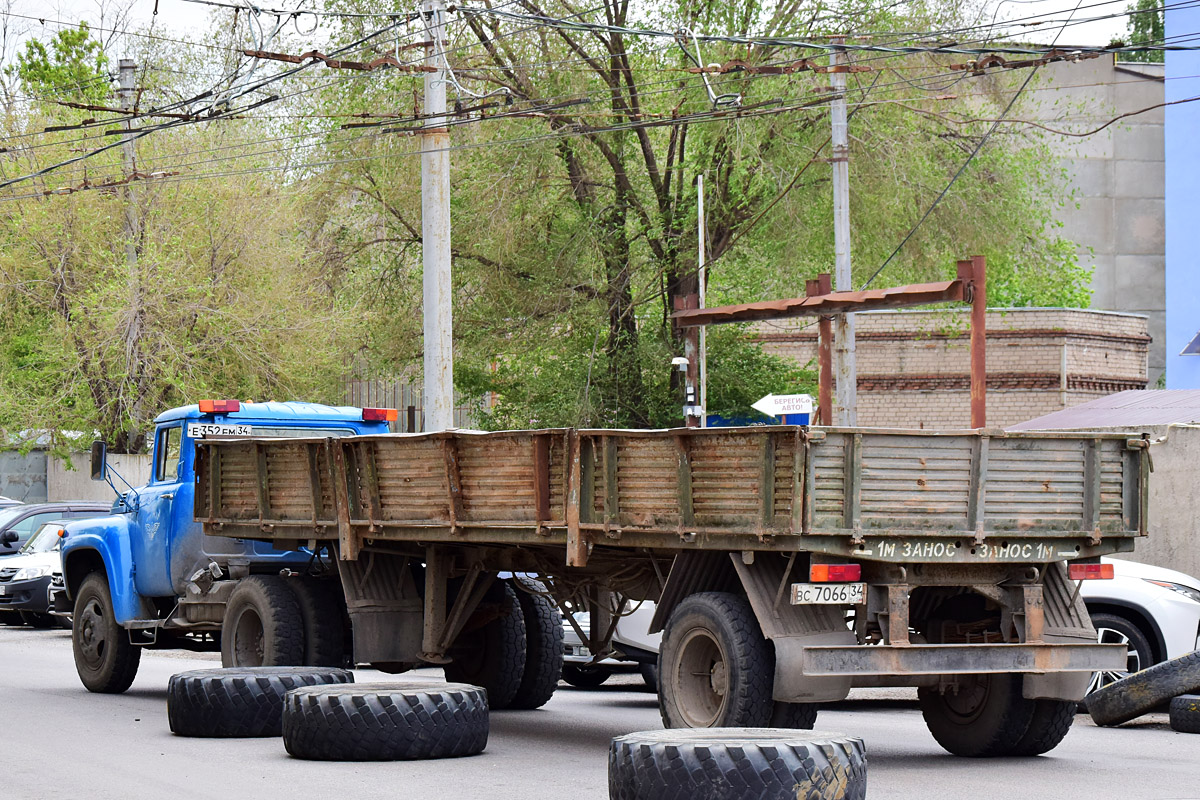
column 104, row 658
column 799, row 716
column 1185, row 713
column 543, row 651
column 649, row 673
column 585, row 676
column 716, row 670
column 240, row 702
column 37, row 620
column 322, row 613
column 736, row 763
column 493, row 656
column 385, row 721
column 1115, row 629
column 988, row 716
column 262, row 626
column 1052, row 720
column 1143, row 691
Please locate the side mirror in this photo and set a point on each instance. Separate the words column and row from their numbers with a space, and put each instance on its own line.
column 8, row 537
column 99, row 460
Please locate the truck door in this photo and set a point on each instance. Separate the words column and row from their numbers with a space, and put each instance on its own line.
column 151, row 543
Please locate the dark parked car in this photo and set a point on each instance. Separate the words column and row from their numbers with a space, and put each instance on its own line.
column 18, row 522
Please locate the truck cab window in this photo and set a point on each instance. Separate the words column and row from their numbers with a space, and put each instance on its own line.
column 166, row 452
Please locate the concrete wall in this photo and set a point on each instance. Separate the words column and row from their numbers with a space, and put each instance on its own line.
column 1183, row 207
column 1174, row 540
column 64, row 483
column 23, row 477
column 1116, row 178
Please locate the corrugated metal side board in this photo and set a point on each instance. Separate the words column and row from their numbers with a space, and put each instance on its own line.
column 914, row 482
column 497, row 478
column 727, row 480
column 648, row 482
column 238, row 474
column 411, row 472
column 1035, row 483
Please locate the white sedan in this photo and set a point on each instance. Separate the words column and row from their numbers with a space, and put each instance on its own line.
column 1155, row 612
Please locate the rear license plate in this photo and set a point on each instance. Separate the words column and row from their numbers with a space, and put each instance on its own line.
column 828, row 593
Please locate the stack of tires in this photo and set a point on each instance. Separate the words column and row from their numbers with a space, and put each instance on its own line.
column 1174, row 683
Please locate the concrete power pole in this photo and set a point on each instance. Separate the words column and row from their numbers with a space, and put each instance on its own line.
column 127, row 93
column 844, row 351
column 435, row 229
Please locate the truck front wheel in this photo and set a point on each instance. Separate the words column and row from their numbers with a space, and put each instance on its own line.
column 716, row 669
column 263, row 626
column 987, row 716
column 105, row 660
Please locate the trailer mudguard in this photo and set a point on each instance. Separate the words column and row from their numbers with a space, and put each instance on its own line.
column 91, row 544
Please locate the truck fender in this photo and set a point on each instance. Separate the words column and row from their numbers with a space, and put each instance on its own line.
column 103, row 544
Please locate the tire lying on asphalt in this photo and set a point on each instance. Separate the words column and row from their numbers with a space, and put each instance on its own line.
column 1185, row 713
column 239, row 702
column 1131, row 697
column 729, row 763
column 543, row 651
column 385, row 721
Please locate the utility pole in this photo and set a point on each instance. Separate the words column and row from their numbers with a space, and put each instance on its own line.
column 702, row 240
column 127, row 93
column 844, row 355
column 435, row 228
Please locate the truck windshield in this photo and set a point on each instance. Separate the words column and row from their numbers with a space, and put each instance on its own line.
column 45, row 540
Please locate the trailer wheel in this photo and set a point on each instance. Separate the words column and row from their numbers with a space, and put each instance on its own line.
column 240, row 702
column 322, row 615
column 263, row 626
column 583, row 676
column 735, row 763
column 717, row 670
column 800, row 716
column 385, row 721
column 1185, row 713
column 1139, row 693
column 104, row 658
column 1052, row 720
column 988, row 716
column 494, row 655
column 543, row 651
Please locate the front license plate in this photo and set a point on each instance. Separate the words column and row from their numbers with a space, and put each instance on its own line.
column 210, row 430
column 828, row 593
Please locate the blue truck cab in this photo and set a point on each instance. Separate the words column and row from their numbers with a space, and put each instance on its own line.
column 141, row 558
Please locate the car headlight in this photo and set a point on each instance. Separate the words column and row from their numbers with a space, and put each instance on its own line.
column 1186, row 591
column 29, row 573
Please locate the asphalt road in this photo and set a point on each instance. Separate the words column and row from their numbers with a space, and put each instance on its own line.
column 59, row 741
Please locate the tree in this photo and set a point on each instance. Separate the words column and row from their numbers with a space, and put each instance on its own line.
column 1145, row 25
column 574, row 223
column 71, row 68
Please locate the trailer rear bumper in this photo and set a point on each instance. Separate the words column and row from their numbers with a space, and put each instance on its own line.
column 959, row 659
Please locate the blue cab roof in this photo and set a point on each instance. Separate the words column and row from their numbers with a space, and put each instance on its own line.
column 290, row 411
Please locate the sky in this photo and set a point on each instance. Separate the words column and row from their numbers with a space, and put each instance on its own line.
column 181, row 16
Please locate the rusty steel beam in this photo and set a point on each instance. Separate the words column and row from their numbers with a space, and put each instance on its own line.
column 917, row 294
column 817, row 287
column 974, row 274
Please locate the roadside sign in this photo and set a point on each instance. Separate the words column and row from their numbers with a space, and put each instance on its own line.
column 776, row 405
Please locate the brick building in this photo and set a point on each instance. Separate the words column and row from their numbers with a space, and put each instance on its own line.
column 913, row 366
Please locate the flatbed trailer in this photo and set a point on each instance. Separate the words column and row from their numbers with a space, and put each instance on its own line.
column 789, row 564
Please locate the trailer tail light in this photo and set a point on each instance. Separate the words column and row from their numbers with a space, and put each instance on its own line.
column 834, row 573
column 220, row 406
column 1090, row 572
column 379, row 415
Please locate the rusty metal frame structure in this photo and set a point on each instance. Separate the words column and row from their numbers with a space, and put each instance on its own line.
column 970, row 286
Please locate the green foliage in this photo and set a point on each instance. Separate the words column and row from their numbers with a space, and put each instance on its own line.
column 71, row 68
column 1145, row 25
